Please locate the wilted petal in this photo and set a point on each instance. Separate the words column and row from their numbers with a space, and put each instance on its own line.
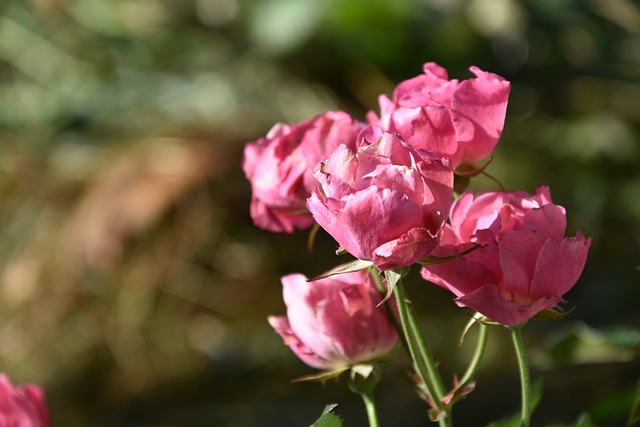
column 280, row 166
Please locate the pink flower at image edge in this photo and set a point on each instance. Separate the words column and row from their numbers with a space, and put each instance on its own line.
column 21, row 406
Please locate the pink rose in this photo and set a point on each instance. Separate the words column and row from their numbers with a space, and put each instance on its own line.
column 525, row 263
column 279, row 167
column 460, row 120
column 21, row 406
column 385, row 202
column 335, row 322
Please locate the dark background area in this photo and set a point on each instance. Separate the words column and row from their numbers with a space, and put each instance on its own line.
column 133, row 284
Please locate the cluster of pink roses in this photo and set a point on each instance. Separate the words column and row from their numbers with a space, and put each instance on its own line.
column 385, row 191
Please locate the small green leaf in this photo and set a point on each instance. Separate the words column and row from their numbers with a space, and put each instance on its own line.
column 330, row 407
column 328, row 418
column 477, row 317
column 356, row 265
column 393, row 277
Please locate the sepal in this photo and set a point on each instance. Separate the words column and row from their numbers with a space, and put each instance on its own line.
column 323, row 376
column 354, row 266
column 472, row 169
column 364, row 378
column 433, row 260
column 393, row 277
column 554, row 313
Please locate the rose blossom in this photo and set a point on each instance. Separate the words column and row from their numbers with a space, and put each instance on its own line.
column 335, row 322
column 460, row 120
column 525, row 263
column 385, row 202
column 279, row 167
column 21, row 406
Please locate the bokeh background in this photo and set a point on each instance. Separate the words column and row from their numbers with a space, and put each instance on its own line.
column 133, row 285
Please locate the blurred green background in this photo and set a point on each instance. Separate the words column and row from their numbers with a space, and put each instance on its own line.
column 133, row 284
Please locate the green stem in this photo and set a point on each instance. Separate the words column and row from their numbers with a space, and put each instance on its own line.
column 481, row 345
column 405, row 315
column 420, row 355
column 525, row 382
column 370, row 406
column 432, row 370
column 390, row 309
column 364, row 379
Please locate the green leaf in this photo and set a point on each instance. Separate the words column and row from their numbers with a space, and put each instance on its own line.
column 393, row 277
column 356, row 265
column 328, row 418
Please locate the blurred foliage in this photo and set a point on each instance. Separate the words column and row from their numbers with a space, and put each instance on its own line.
column 133, row 284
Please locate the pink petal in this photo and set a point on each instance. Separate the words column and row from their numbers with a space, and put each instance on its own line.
column 549, row 221
column 278, row 220
column 366, row 219
column 411, row 247
column 559, row 266
column 281, row 325
column 436, row 70
column 519, row 251
column 462, row 275
column 479, row 109
column 406, row 91
column 428, row 128
column 303, row 300
column 488, row 301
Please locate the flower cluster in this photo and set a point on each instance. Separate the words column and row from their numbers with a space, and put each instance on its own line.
column 384, row 189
